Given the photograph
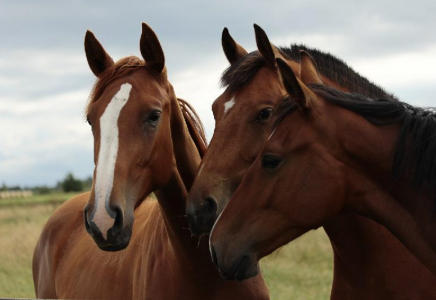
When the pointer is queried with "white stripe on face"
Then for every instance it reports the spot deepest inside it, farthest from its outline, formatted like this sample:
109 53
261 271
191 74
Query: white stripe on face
228 105
107 158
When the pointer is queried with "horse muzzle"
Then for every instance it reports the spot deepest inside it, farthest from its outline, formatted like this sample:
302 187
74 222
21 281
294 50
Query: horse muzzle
117 237
235 267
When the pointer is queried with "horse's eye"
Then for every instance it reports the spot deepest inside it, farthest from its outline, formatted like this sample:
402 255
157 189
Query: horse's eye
264 114
88 121
271 161
154 117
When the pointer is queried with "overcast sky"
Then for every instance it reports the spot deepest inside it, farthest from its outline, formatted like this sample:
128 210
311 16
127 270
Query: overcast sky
45 79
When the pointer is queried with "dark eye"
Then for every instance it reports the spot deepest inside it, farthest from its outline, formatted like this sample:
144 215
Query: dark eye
271 161
154 117
88 121
264 114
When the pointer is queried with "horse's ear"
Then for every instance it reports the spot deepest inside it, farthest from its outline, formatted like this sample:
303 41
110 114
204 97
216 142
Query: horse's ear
151 50
98 59
308 69
291 83
268 51
232 50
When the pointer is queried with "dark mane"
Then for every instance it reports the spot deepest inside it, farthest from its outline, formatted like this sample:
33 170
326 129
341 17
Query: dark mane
241 73
127 65
414 156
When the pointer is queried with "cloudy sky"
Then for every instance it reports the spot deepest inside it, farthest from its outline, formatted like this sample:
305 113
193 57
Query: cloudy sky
45 80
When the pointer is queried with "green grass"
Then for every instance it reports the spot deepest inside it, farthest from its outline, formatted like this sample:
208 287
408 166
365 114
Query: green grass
301 270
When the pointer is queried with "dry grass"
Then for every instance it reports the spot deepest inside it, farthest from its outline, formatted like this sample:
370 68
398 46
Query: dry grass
301 270
21 222
19 231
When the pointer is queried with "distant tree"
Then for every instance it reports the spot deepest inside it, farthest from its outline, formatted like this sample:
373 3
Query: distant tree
59 185
71 184
42 190
3 187
87 183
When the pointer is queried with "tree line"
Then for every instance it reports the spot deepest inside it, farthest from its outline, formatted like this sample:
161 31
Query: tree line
69 184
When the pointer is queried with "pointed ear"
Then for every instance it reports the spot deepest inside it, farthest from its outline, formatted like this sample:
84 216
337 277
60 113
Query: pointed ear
232 50
308 69
268 51
291 83
98 59
151 50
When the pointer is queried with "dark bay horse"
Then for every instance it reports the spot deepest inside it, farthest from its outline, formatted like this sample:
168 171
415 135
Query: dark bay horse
245 116
333 153
145 140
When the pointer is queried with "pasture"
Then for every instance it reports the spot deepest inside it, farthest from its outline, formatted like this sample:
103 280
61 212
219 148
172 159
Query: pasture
301 270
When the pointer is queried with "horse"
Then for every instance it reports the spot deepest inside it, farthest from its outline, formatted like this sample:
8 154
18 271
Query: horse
369 262
145 140
333 153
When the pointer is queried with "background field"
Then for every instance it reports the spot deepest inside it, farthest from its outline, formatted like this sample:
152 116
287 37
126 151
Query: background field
301 270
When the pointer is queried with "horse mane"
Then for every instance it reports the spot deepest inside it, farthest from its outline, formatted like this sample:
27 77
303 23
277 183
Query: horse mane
241 73
129 64
414 156
195 126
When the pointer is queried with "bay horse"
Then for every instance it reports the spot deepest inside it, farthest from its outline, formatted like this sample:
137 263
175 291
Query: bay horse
369 262
145 140
333 153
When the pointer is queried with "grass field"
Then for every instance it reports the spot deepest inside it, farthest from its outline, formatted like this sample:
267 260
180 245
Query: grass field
301 270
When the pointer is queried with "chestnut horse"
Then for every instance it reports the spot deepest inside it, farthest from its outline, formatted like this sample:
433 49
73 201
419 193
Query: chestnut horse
244 116
145 140
333 153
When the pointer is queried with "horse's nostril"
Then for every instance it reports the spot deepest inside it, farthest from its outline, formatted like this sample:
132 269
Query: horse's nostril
202 217
118 224
209 208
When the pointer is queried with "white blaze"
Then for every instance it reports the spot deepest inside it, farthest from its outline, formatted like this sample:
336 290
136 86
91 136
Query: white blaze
107 158
228 105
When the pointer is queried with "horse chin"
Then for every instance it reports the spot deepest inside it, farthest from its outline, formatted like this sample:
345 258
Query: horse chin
115 248
242 269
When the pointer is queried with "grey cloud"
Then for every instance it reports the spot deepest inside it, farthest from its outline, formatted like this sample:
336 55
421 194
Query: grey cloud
42 56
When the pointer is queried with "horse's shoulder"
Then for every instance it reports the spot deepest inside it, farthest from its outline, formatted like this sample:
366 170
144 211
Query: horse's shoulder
65 216
52 242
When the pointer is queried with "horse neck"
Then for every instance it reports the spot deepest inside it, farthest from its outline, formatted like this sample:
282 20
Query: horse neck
409 214
358 242
172 196
186 153
404 211
371 190
363 250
